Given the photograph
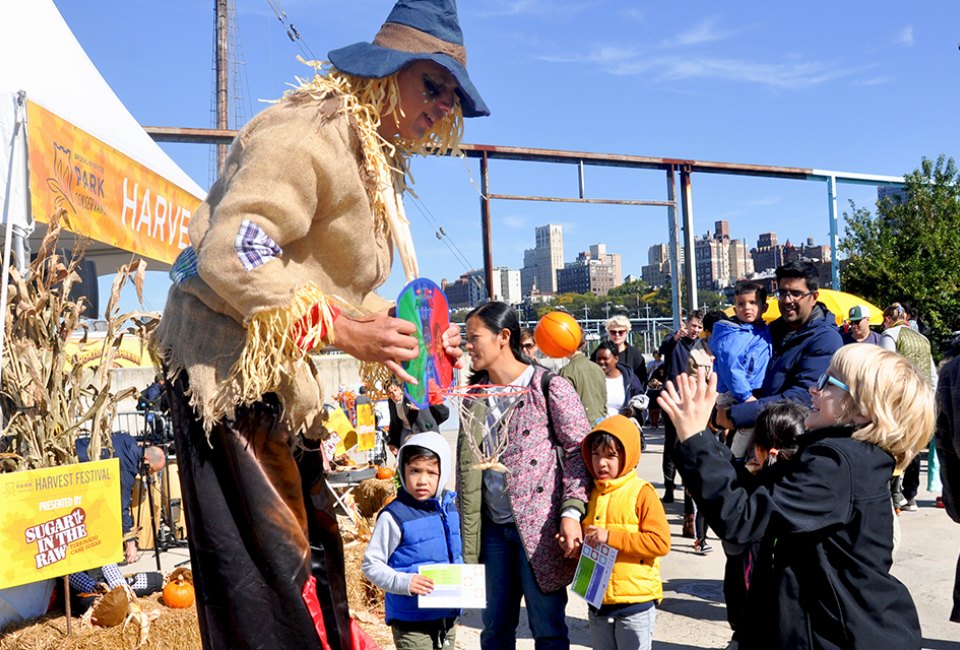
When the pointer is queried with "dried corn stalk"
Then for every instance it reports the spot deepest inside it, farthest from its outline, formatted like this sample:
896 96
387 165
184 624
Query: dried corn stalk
46 398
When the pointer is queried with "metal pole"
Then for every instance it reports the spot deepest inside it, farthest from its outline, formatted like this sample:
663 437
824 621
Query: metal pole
651 333
19 144
674 238
66 604
583 186
690 262
834 227
485 225
223 84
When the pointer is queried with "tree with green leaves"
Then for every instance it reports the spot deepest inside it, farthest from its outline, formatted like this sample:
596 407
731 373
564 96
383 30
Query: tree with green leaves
908 251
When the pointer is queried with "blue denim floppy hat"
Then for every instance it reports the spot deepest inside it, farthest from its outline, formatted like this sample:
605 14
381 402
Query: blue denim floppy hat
416 30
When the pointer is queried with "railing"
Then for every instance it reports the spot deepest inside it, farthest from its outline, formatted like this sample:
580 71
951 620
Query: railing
132 422
153 424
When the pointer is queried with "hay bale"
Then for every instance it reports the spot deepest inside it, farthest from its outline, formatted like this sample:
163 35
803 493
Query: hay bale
366 599
176 628
363 595
373 494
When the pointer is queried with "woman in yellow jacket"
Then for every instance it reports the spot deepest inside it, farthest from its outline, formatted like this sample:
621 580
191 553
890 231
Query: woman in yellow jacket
624 512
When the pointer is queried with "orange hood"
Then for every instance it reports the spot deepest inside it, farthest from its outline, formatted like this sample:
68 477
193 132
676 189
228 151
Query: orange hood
623 429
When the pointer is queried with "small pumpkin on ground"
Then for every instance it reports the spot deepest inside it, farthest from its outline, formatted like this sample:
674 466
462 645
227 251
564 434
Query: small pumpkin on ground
178 592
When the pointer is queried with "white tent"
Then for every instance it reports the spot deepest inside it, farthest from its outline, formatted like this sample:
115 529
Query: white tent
44 63
44 60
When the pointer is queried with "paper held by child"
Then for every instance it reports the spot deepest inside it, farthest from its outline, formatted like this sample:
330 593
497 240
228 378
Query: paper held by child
455 586
593 572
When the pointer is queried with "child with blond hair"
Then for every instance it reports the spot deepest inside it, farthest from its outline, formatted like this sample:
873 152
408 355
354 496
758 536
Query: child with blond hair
827 513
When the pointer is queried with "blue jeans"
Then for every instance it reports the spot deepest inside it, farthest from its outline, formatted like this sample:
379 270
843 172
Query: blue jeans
622 632
509 576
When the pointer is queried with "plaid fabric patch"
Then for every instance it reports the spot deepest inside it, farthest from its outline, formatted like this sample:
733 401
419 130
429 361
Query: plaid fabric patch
82 583
254 247
185 266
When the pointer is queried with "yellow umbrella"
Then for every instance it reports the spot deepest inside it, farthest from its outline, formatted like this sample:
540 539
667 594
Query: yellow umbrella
838 302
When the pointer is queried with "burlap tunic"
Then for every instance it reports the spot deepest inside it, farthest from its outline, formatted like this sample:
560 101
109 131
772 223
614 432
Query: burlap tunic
295 173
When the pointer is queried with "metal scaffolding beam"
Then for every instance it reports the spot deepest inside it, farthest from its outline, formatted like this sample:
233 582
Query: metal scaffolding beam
486 152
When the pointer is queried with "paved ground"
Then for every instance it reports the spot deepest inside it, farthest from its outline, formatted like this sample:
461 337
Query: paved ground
692 614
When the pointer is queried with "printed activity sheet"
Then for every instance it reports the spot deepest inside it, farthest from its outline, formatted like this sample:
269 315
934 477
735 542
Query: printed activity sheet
593 572
455 586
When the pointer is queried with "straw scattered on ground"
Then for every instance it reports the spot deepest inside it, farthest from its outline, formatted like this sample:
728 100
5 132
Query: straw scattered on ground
366 600
176 628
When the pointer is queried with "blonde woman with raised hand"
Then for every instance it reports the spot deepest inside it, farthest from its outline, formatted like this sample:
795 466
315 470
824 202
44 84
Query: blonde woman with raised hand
822 578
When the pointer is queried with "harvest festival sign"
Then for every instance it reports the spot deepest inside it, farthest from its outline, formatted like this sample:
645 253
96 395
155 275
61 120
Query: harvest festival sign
59 520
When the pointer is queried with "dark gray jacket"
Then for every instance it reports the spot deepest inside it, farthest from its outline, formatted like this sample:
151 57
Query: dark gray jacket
822 578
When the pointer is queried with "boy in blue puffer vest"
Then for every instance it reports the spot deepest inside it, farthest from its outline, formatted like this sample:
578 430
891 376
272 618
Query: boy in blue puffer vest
421 526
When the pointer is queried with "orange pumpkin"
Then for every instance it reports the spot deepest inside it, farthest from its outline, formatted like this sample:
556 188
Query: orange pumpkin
384 473
178 593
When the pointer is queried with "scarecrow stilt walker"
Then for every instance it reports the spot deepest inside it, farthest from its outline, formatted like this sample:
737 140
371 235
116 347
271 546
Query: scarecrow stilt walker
285 254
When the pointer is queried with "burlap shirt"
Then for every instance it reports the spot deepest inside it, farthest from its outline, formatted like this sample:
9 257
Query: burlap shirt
294 172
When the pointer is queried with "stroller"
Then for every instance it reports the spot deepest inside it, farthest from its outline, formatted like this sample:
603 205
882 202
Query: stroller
634 410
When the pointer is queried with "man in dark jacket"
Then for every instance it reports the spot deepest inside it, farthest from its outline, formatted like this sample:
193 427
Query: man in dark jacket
804 340
133 459
948 449
675 351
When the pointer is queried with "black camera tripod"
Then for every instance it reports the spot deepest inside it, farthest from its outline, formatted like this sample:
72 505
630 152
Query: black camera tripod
163 531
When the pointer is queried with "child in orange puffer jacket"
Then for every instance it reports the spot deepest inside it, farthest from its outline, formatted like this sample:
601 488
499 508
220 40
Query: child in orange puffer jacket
624 512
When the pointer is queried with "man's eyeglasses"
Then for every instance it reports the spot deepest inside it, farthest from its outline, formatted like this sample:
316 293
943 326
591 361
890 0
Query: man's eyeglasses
792 294
827 379
617 332
527 346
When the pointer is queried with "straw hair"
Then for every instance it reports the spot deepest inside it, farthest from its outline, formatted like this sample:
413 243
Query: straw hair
368 101
889 390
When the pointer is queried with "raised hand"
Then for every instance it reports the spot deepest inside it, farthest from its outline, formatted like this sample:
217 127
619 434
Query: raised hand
689 402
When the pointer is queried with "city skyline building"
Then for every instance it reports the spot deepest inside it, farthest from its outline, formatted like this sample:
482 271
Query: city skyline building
768 254
721 261
469 290
657 269
541 263
594 271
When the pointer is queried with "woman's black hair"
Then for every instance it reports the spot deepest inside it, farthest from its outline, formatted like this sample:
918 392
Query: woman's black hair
602 440
610 347
496 317
413 452
779 425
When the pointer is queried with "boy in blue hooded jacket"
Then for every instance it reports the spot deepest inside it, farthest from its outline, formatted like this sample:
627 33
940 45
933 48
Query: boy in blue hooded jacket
742 348
421 526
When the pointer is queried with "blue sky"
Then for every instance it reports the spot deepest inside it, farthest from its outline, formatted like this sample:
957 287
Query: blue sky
855 87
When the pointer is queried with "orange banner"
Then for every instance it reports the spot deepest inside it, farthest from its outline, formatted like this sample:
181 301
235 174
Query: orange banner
108 196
